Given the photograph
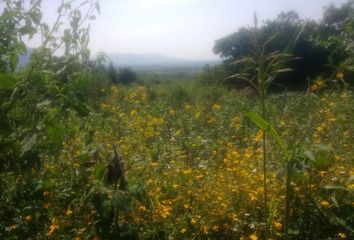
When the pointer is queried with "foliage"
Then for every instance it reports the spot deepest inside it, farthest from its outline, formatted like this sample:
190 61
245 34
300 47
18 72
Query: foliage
121 76
321 47
336 36
126 75
17 22
193 168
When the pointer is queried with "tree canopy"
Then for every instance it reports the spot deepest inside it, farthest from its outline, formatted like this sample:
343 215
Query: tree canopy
321 47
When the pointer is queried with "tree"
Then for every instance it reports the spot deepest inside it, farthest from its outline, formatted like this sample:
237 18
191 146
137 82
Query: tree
126 75
17 22
113 74
336 35
311 57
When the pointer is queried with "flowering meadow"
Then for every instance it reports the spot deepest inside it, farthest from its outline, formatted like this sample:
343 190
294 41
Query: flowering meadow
193 164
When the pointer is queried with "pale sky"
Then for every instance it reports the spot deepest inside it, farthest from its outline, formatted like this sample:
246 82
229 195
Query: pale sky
185 29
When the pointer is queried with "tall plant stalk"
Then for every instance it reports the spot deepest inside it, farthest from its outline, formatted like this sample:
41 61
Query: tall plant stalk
262 68
265 169
262 92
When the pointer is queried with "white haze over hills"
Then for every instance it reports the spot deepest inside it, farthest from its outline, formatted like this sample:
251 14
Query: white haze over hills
153 60
142 61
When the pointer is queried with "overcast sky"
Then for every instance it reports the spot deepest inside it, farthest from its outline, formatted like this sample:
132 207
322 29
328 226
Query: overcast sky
185 29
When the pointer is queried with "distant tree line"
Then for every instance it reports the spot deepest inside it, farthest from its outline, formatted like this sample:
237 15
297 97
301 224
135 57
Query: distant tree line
323 48
122 75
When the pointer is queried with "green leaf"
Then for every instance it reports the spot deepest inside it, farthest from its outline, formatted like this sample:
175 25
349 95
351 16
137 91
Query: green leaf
293 41
284 70
243 60
7 81
350 179
121 200
334 187
264 125
14 60
299 177
28 143
5 126
324 147
43 103
56 135
324 161
81 109
100 171
310 155
137 191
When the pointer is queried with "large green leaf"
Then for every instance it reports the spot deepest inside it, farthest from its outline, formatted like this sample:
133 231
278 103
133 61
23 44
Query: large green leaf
264 125
100 171
56 135
7 81
121 200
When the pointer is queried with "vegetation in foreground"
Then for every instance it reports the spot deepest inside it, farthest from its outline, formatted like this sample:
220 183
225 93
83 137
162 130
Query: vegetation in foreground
193 166
84 156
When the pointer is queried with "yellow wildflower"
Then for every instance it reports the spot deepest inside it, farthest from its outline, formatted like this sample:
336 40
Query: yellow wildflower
205 229
340 75
13 227
69 212
278 225
216 106
54 226
28 218
342 235
236 122
133 113
323 173
183 230
52 229
114 89
187 171
197 115
324 203
253 237
259 136
142 208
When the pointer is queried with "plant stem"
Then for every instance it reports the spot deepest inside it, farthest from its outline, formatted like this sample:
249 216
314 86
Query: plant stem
287 199
265 170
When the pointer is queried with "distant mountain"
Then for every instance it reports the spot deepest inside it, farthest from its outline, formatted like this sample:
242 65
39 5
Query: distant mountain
154 61
142 62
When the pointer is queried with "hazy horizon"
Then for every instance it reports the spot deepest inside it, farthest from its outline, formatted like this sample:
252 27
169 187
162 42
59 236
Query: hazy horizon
184 29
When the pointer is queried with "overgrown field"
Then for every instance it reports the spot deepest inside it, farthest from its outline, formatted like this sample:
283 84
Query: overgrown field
194 169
